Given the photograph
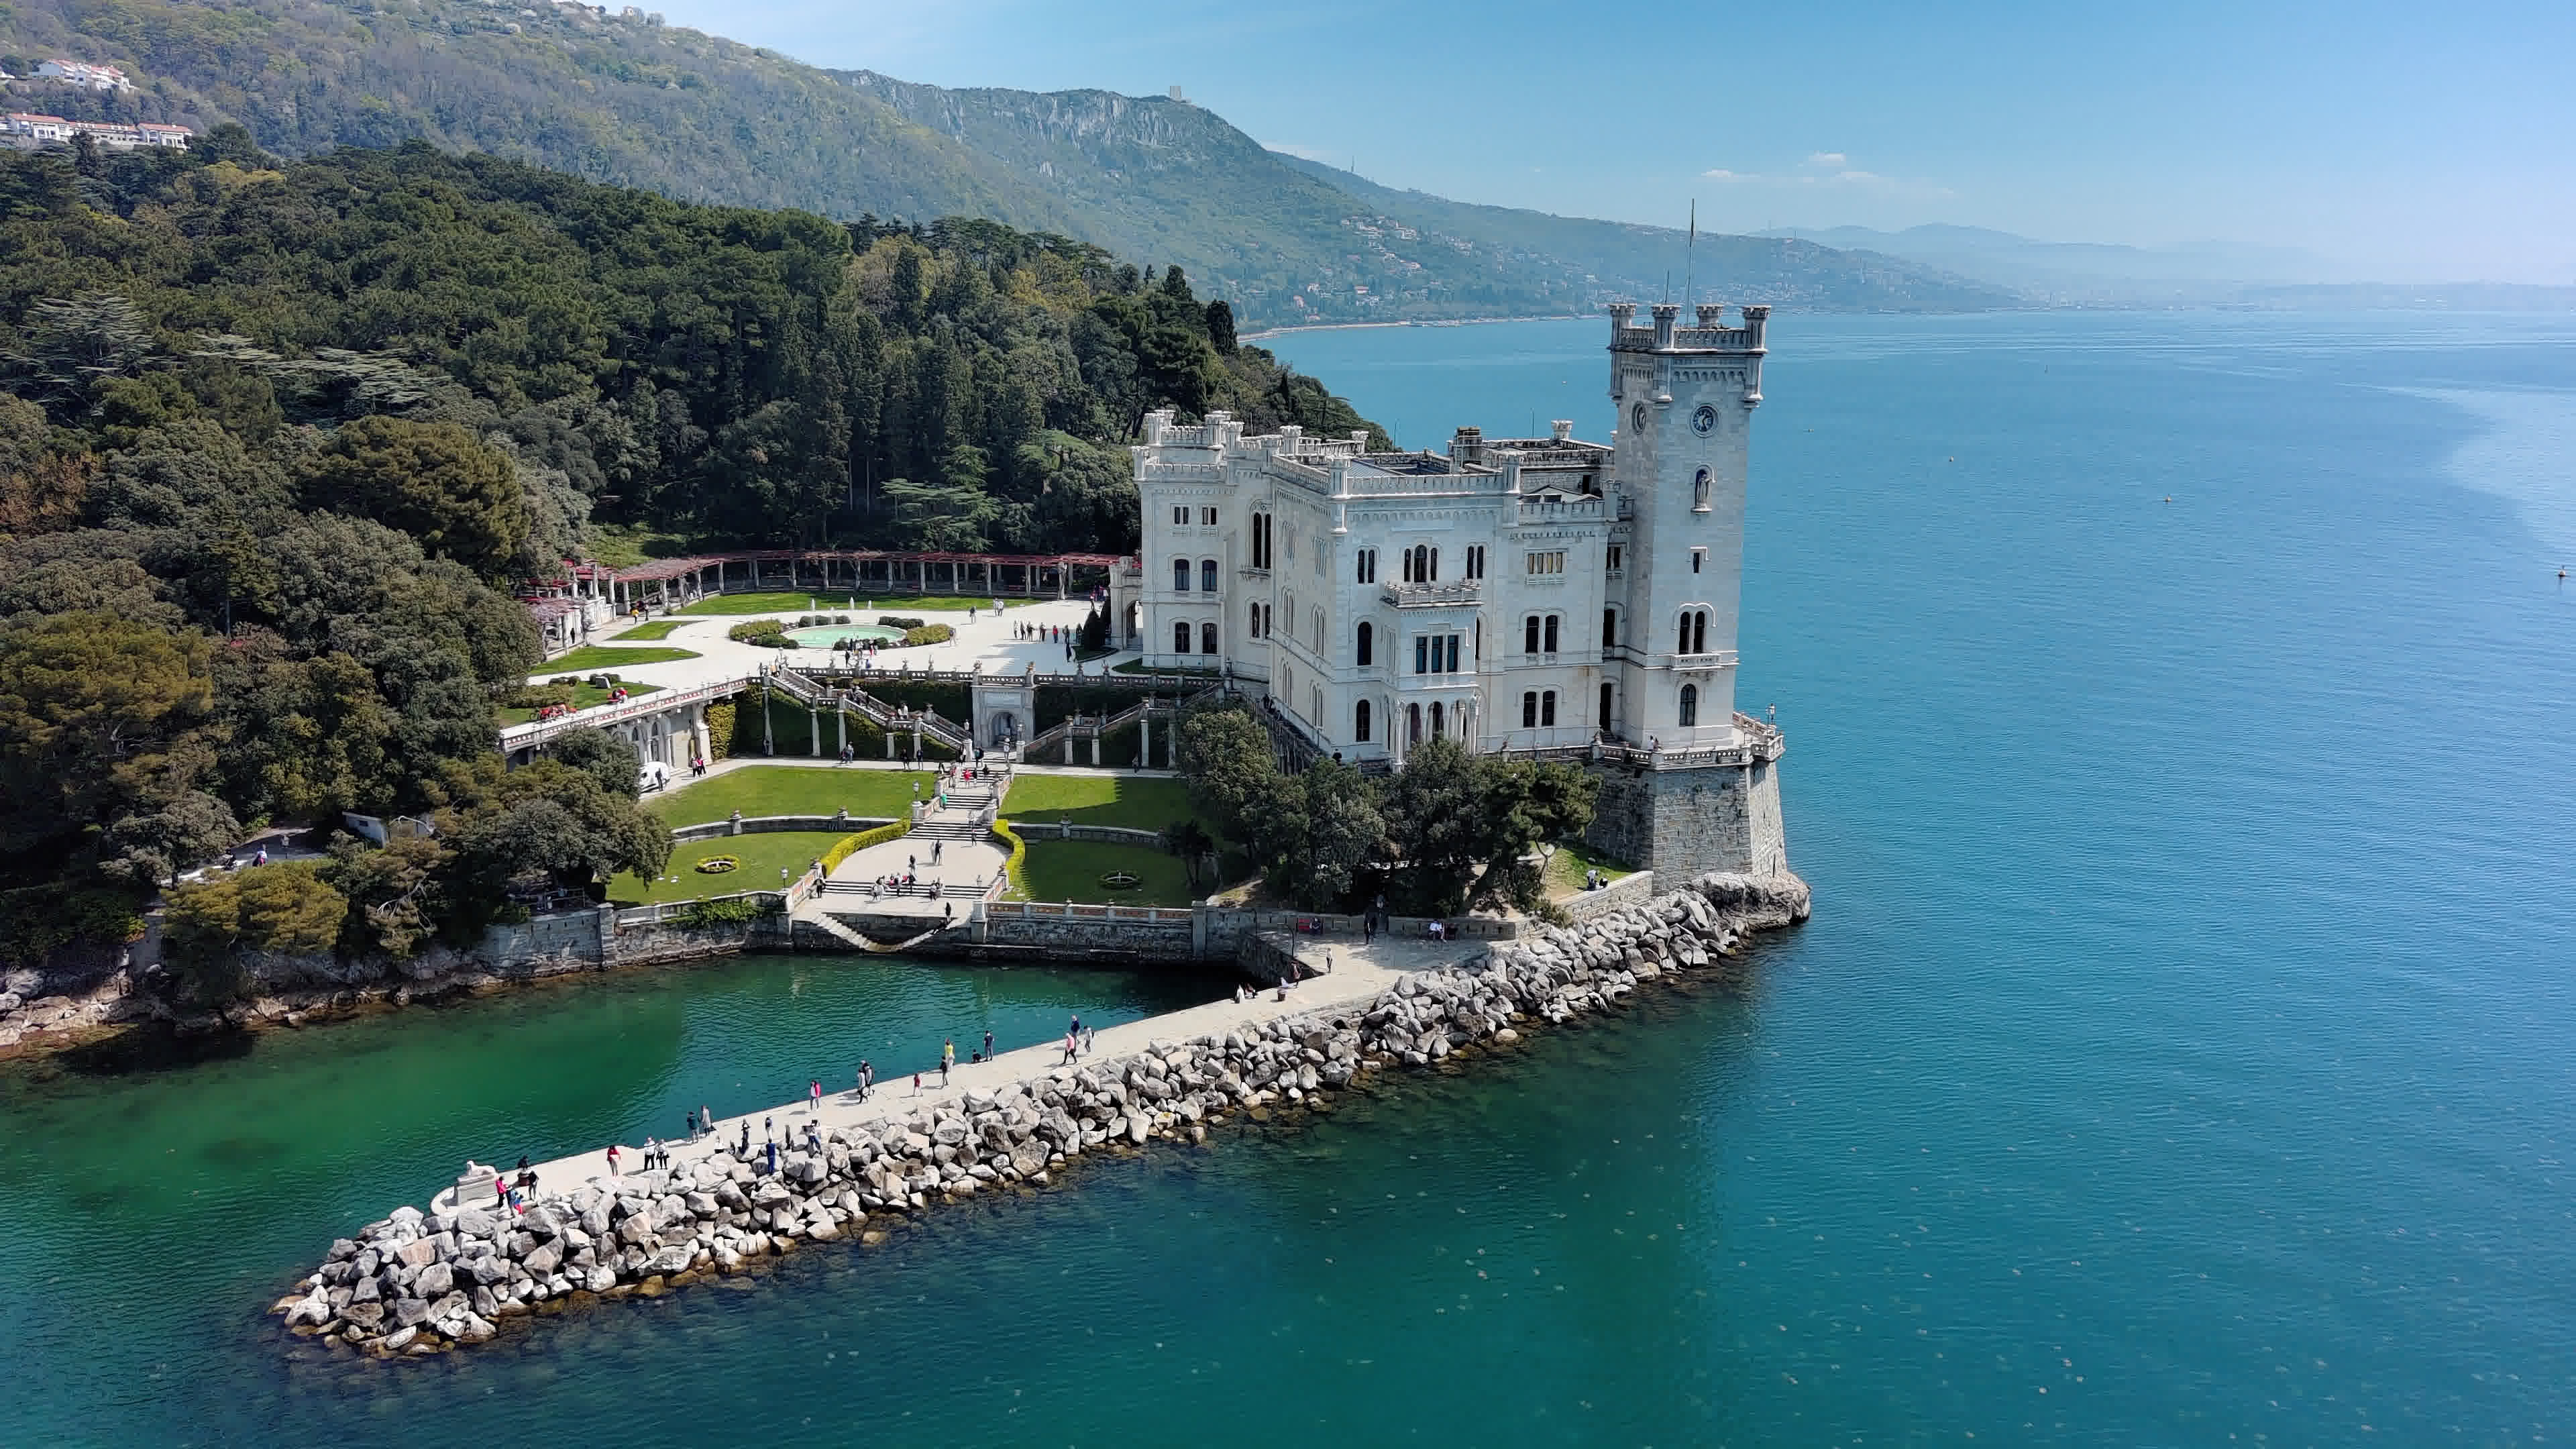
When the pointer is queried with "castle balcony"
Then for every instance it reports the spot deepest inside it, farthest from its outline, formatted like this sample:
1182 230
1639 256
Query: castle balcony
1712 659
1434 596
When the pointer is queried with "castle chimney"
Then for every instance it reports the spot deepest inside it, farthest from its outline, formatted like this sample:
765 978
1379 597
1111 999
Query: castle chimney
1665 313
1562 429
1712 314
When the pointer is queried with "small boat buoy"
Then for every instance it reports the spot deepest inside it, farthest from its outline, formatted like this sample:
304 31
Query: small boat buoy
2169 498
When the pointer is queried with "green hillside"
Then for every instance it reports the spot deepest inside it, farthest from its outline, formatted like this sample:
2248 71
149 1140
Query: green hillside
617 98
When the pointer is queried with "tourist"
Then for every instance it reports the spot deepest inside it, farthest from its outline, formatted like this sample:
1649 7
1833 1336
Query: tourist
947 1054
1089 1040
706 1118
1069 1040
743 1152
769 1130
814 1096
612 1159
648 1154
1328 960
912 862
916 1084
934 851
1368 928
773 1159
988 1046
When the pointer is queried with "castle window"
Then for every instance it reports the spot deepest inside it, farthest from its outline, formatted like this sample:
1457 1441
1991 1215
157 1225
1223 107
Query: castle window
1413 723
1252 626
1694 632
1529 709
1207 516
1609 628
1319 629
1180 638
1180 576
1181 514
1315 704
1550 562
1698 556
1360 722
1422 654
1529 634
1605 709
1438 720
1453 654
1366 637
1265 621
1547 710
1618 558
1261 540
1690 705
1475 560
1366 571
1207 574
1699 492
1207 638
1549 646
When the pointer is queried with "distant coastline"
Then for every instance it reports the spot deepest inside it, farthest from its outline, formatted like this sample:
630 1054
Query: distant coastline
1409 322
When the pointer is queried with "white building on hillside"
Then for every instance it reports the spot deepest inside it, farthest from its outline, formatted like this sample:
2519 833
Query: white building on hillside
1542 595
84 75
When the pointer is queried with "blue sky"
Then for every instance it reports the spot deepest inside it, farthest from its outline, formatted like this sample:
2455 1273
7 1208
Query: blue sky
2422 141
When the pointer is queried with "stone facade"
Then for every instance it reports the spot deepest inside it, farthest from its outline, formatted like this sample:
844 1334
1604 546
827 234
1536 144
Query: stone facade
1546 597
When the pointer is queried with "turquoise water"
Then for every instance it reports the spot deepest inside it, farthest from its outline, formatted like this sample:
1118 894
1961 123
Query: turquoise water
2179 1053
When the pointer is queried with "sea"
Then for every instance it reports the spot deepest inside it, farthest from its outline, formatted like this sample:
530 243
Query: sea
2182 754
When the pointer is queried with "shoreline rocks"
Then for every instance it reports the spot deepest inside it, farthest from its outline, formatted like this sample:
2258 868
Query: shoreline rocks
419 1283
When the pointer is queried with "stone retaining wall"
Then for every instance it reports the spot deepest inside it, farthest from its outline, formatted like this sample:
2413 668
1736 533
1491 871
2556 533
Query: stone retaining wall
1626 891
415 1283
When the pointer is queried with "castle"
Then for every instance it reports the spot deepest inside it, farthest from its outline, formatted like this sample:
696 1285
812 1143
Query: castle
1541 597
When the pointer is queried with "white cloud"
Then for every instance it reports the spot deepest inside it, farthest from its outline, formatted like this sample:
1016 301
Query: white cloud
1832 171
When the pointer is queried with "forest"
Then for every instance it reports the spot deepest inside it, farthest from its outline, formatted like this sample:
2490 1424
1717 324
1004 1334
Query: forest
279 440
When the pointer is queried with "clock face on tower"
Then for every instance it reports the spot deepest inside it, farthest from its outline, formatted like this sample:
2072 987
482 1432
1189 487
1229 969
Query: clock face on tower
1704 422
1637 418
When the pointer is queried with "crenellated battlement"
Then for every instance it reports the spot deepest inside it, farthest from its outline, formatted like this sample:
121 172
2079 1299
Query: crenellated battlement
1667 335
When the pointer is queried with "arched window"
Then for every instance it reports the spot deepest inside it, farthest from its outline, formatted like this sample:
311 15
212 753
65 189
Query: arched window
1367 641
1549 644
1690 705
1681 645
1413 723
1435 566
1180 576
1360 719
1315 704
1319 628
1180 638
1529 709
1438 728
1207 637
1252 630
1547 710
1207 575
1261 540
1529 634
1699 631
1699 492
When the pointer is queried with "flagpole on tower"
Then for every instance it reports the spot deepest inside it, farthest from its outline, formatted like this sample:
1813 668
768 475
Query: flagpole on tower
1690 255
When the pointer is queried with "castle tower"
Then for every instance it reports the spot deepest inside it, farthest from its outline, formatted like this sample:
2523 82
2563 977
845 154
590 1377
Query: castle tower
1698 792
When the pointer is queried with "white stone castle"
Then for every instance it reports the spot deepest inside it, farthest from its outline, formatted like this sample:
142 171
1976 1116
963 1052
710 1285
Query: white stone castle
1539 596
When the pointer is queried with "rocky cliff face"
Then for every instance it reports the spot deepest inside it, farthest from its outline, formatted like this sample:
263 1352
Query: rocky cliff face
416 1282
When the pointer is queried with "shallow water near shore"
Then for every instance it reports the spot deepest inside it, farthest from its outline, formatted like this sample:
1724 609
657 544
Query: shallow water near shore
2179 1050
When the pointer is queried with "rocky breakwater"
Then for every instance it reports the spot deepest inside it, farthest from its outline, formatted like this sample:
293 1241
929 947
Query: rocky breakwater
418 1282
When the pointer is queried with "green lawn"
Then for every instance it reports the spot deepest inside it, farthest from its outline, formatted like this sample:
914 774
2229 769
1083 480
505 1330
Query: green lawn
761 857
1565 868
625 545
658 629
790 790
583 697
1125 801
852 604
1070 870
596 657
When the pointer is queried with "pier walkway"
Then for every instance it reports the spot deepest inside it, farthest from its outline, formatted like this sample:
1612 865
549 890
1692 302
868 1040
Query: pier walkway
1359 973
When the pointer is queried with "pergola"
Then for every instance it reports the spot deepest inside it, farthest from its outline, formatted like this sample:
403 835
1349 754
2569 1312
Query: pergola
665 583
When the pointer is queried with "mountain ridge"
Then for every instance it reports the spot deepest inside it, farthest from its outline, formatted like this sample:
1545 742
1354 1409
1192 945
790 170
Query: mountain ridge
622 99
